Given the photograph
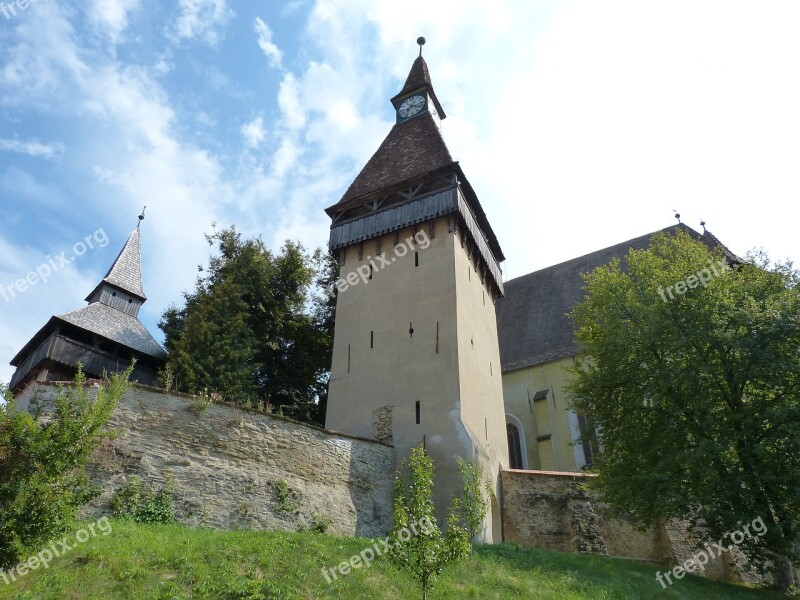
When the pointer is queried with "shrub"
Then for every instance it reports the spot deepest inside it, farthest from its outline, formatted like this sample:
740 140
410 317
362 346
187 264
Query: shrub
287 497
42 464
143 505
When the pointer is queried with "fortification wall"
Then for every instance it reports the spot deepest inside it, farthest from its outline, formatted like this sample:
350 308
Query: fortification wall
554 510
225 462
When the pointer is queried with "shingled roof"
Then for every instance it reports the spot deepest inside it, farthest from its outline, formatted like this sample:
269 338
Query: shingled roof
126 271
109 316
418 78
412 148
532 323
102 320
116 326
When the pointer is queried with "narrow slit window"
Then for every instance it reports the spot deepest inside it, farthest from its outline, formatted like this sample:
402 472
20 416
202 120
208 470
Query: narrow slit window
370 276
348 358
418 412
416 259
371 339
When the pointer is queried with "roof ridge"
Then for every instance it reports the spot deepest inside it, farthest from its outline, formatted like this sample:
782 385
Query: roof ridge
638 237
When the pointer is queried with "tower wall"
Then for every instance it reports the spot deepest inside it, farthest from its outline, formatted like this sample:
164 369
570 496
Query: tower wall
480 379
380 371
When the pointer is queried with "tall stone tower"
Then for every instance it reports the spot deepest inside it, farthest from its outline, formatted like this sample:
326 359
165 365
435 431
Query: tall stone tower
416 358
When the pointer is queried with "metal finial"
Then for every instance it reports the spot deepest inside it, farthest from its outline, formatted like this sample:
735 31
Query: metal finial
677 215
703 224
421 42
141 216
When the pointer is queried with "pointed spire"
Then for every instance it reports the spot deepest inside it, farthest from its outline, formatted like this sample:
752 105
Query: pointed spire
126 271
418 76
419 79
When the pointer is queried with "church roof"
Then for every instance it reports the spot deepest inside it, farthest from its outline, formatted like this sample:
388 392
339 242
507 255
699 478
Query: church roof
102 320
109 320
532 323
116 326
126 271
412 148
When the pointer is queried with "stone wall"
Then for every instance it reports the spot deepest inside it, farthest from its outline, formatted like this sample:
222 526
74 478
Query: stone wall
554 510
225 462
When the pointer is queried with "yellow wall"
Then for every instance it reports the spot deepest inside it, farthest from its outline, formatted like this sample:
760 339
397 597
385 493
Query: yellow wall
538 418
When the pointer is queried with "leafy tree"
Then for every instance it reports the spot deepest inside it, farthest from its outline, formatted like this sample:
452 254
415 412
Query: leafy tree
42 464
697 395
476 497
417 544
256 329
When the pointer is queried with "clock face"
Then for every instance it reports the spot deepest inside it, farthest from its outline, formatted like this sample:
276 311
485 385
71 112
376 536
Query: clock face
411 106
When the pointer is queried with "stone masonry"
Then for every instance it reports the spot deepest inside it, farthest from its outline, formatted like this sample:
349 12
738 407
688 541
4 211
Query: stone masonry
225 463
554 510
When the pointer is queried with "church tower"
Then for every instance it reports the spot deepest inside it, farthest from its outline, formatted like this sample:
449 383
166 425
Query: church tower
416 358
103 336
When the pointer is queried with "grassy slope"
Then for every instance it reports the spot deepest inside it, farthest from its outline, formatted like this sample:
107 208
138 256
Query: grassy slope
137 561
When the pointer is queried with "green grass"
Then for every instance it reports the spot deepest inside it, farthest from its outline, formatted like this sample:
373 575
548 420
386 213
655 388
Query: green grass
160 562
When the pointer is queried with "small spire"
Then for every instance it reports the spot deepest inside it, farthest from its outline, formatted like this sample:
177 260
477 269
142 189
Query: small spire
703 224
677 215
421 42
141 217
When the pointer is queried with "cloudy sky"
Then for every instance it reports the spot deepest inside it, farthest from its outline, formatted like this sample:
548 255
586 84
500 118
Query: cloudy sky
580 124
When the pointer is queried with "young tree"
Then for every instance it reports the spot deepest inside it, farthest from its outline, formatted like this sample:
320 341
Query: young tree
42 464
692 375
476 498
254 329
417 544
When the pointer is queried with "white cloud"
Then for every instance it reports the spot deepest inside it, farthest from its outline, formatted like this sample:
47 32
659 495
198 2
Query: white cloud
202 19
584 122
112 15
268 47
254 132
292 110
579 125
32 148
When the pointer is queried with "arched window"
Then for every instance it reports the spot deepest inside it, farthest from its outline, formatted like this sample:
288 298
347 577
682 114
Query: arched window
514 446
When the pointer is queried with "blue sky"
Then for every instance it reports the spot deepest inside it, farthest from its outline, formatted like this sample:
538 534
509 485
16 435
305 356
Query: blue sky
579 123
